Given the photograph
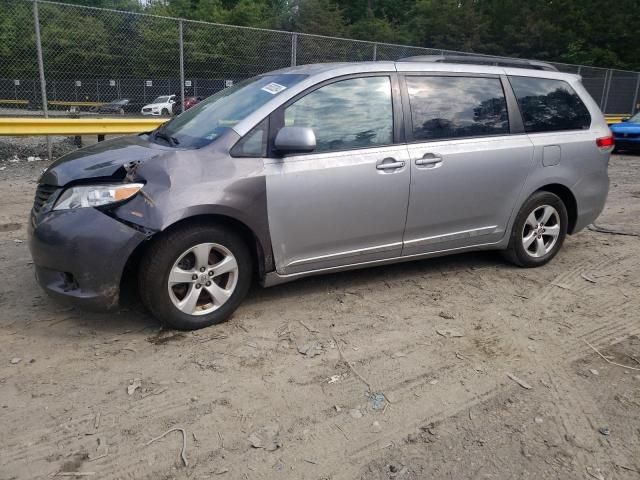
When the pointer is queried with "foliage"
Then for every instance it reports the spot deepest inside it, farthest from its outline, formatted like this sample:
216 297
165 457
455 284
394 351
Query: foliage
108 44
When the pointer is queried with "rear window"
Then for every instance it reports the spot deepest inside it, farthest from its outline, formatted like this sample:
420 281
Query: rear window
453 107
549 105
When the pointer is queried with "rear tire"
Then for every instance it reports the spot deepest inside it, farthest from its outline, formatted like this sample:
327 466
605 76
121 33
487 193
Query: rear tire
539 230
195 276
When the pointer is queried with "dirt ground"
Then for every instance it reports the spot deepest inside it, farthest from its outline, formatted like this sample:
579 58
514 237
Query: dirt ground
86 393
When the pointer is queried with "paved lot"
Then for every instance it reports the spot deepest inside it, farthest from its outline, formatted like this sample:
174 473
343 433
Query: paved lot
451 410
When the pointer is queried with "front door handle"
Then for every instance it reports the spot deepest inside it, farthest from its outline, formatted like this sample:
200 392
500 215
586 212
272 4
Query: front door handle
429 160
389 164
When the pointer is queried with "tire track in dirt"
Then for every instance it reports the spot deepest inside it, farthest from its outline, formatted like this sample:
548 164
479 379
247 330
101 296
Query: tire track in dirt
581 418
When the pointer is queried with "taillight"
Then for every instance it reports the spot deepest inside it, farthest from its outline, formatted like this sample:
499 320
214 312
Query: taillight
605 143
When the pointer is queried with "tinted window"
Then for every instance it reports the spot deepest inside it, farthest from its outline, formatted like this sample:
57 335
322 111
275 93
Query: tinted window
349 114
450 107
549 105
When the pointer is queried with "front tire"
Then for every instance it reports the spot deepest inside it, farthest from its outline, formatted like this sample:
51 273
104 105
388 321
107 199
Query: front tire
196 276
538 231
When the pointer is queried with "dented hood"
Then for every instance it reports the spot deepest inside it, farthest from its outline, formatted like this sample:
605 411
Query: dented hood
102 160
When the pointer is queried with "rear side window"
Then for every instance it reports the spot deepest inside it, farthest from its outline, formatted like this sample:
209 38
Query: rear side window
348 114
452 107
549 105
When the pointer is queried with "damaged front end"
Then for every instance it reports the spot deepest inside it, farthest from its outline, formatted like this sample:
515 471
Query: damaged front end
78 244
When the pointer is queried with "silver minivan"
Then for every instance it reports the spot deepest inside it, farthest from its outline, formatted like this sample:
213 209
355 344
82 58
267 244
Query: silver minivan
320 168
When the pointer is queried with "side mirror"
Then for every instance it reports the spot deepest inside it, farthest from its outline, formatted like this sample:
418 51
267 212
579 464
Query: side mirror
295 140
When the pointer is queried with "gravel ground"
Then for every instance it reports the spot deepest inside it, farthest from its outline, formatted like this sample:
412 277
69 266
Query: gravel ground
518 394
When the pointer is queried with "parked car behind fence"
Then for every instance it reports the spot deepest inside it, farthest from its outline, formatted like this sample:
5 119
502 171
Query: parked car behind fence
188 103
115 107
162 105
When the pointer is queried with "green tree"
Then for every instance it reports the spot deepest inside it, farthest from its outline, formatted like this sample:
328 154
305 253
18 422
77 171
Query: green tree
447 24
322 17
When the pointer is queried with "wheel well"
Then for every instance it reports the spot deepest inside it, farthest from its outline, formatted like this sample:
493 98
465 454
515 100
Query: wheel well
129 280
569 201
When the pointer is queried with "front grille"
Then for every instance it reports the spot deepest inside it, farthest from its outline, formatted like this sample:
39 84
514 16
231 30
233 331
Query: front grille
146 109
43 193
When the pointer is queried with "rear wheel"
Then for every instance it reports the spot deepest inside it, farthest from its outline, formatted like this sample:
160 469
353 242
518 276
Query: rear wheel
538 231
195 277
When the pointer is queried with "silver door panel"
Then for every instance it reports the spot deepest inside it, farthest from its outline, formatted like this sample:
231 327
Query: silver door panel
463 192
336 208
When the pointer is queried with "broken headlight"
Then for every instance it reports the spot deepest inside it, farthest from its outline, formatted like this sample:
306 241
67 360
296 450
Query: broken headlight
96 195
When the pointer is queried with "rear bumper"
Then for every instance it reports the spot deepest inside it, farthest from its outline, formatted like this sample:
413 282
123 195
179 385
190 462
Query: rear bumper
79 255
591 196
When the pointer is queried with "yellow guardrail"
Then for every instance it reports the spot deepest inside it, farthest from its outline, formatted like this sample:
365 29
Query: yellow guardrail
12 102
103 126
76 126
615 118
74 104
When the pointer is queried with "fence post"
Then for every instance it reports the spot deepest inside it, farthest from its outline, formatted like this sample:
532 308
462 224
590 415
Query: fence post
181 66
635 97
43 84
294 49
604 89
606 96
375 52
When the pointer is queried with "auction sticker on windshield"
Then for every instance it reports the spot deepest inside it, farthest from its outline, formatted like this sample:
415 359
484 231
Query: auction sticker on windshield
273 88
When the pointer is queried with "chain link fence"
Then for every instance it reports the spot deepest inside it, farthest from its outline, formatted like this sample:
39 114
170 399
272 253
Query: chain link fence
93 56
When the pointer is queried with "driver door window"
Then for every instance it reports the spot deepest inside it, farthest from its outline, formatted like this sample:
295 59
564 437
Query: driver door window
346 115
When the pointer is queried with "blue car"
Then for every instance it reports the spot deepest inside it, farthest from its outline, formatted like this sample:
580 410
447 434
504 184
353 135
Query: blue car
627 133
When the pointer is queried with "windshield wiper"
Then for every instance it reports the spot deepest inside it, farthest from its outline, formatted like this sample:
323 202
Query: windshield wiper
172 141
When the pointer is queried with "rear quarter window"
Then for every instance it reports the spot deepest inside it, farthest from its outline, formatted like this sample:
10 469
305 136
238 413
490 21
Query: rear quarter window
549 105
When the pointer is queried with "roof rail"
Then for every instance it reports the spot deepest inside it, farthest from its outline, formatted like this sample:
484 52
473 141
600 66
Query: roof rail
482 60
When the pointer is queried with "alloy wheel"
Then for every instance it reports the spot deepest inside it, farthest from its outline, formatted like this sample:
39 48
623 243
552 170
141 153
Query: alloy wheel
203 278
541 231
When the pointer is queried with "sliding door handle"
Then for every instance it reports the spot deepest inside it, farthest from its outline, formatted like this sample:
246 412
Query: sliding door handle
389 164
429 160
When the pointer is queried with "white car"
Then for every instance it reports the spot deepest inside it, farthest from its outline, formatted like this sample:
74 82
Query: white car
162 105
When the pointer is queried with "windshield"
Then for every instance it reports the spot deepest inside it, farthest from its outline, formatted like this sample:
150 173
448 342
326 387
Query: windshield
164 99
207 120
635 118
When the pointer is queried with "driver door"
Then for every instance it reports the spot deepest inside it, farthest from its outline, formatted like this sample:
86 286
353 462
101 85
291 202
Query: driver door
346 202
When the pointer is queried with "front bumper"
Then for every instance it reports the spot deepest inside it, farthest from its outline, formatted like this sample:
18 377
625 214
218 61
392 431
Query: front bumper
79 255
